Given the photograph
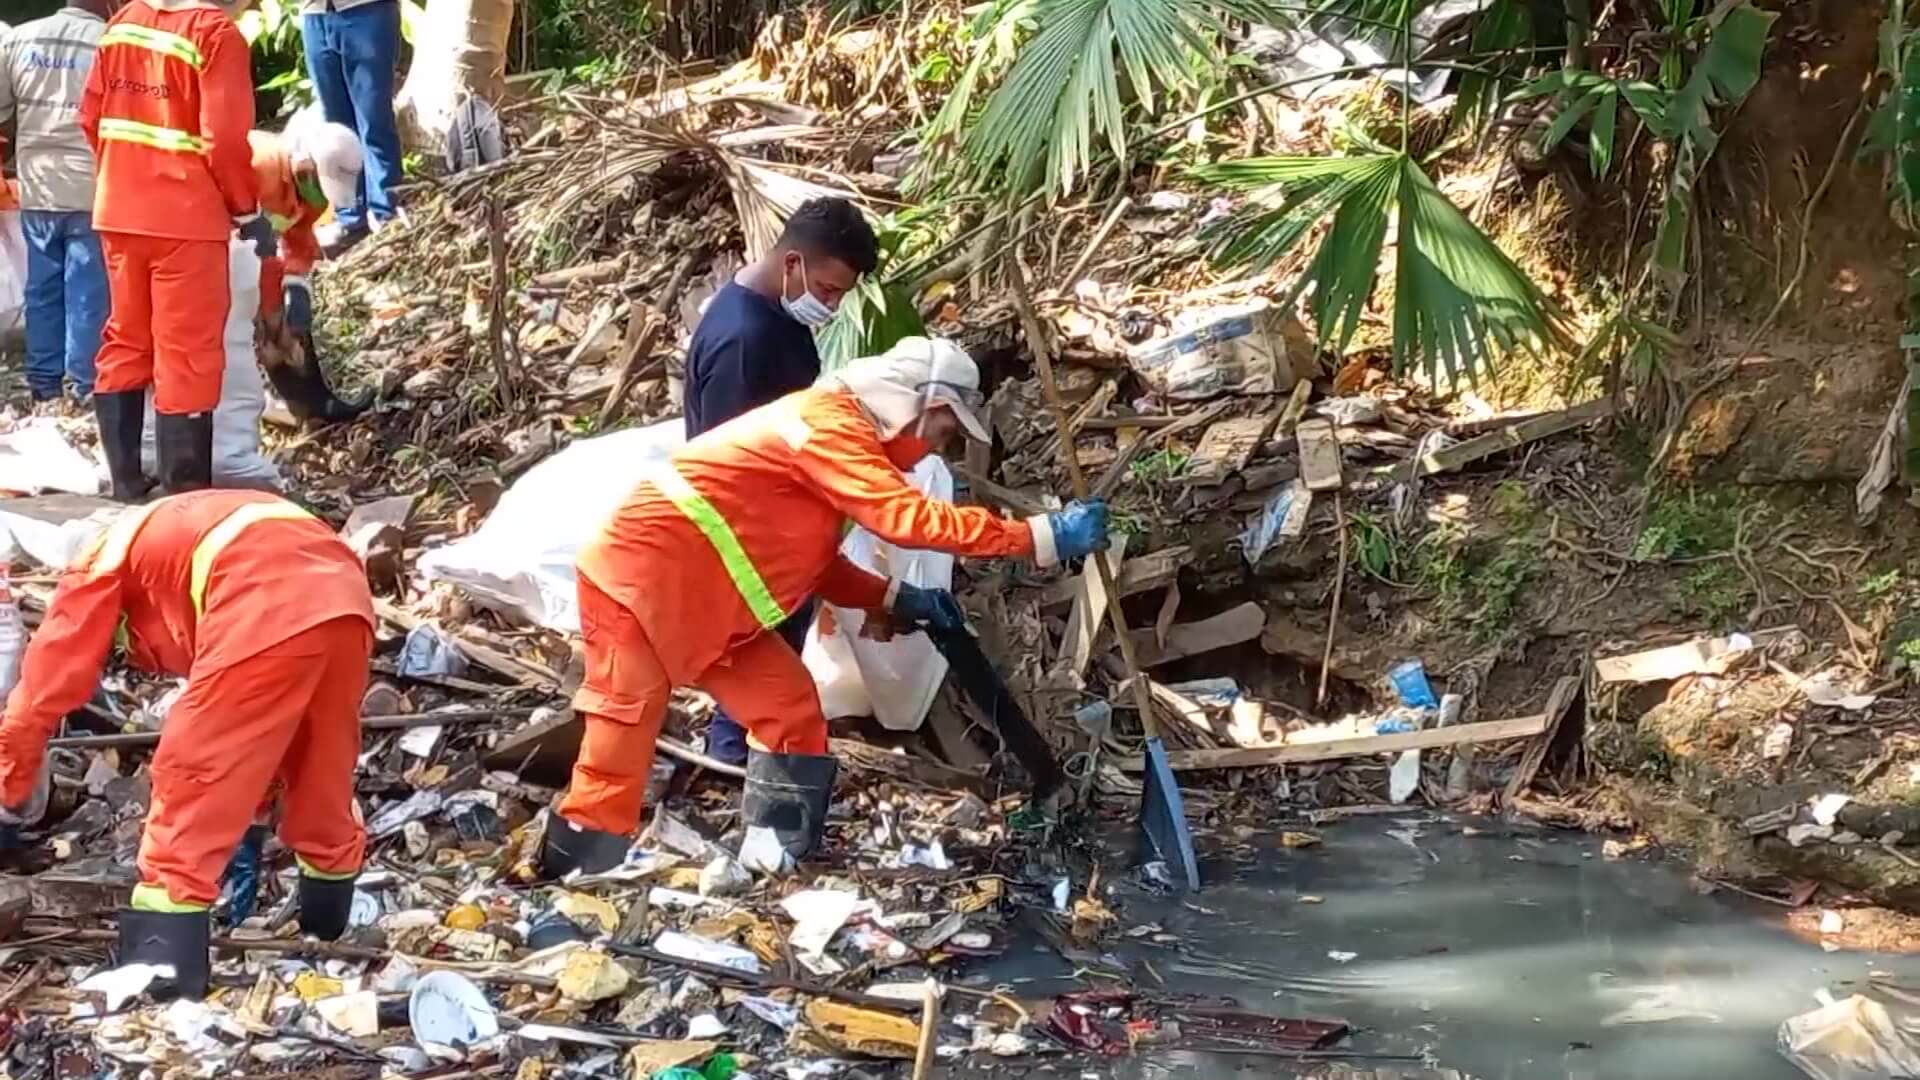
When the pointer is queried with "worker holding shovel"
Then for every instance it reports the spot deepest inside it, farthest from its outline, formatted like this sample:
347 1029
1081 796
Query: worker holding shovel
686 583
267 614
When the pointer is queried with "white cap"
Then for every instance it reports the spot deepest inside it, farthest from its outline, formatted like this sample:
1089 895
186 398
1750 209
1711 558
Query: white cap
900 385
336 155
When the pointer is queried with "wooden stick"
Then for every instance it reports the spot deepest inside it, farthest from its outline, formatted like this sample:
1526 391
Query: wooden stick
1339 585
497 303
1120 207
642 343
1523 727
1043 359
929 1031
367 723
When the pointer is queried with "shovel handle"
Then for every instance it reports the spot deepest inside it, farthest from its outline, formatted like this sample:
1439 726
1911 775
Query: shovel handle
1043 359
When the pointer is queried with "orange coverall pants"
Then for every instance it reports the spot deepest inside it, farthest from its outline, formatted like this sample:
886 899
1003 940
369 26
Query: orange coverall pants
169 320
290 714
623 700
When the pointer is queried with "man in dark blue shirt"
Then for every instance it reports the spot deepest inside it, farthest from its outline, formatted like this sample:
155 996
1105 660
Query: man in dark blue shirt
754 345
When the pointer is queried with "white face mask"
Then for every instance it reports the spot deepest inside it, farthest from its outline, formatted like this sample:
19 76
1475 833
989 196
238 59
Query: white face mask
806 309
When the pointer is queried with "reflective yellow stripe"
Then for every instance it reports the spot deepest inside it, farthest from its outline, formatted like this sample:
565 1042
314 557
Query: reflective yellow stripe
307 869
159 138
148 897
222 534
160 41
110 548
746 577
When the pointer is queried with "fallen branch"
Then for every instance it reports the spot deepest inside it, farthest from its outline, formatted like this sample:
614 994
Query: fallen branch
722 973
367 723
1334 749
640 345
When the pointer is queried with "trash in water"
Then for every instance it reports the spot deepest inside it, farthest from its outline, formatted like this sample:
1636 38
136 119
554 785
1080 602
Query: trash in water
1113 1022
1863 1037
1339 957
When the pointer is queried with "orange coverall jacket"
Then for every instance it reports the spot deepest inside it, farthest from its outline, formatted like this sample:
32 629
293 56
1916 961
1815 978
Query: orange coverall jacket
271 580
293 218
785 478
167 110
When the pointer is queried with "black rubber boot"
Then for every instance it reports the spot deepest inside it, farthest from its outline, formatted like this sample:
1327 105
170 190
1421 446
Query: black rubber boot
567 847
186 451
789 794
122 416
168 937
325 905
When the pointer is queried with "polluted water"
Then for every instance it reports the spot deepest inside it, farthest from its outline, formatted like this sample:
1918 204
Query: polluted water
1462 948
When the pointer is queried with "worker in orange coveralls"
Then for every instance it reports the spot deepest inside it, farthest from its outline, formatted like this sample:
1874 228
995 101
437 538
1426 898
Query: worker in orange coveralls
300 173
685 583
167 109
267 614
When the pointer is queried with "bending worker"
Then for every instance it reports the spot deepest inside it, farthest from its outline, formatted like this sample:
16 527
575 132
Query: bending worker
687 581
166 111
266 613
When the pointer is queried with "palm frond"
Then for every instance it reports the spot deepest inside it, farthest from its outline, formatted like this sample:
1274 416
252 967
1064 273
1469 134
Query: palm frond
873 317
1064 96
1458 299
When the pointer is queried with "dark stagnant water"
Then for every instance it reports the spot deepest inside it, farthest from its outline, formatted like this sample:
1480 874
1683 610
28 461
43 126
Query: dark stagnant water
1517 954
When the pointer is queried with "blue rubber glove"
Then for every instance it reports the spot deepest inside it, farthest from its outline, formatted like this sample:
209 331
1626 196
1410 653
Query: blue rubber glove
297 302
1080 529
259 231
928 607
242 876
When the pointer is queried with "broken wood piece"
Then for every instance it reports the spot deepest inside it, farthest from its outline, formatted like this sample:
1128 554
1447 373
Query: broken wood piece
1142 573
1189 712
367 723
1103 488
1169 608
1231 627
1529 430
593 273
1566 690
1319 455
1012 499
639 342
1226 448
849 1029
1701 656
1090 608
1296 408
1336 749
521 671
1120 207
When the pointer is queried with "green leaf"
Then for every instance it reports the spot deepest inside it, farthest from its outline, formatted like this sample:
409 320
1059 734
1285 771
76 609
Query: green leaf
871 319
1570 115
1606 112
1063 100
1458 299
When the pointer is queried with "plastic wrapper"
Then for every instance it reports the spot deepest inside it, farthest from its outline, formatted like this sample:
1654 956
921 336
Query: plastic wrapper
1871 1036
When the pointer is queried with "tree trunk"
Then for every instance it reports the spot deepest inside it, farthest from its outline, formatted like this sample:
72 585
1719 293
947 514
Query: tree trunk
460 48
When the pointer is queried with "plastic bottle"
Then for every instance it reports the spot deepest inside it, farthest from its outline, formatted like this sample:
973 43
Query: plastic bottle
13 636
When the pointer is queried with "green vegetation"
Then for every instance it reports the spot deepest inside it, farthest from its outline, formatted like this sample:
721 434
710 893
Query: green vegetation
1716 592
1687 524
1880 585
1159 468
1480 580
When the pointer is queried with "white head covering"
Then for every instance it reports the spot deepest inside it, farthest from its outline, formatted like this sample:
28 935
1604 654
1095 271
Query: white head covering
336 155
901 384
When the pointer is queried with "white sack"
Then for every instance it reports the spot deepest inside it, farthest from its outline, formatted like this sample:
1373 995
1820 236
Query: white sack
13 277
521 558
892 681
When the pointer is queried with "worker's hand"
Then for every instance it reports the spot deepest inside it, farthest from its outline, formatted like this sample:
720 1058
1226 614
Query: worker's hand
297 301
935 608
1079 529
258 230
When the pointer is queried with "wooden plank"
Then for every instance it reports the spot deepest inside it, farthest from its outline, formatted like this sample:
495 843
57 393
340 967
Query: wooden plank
1232 627
1142 573
1701 656
1320 455
1559 701
1520 434
1296 408
1103 488
1090 609
1226 448
1011 498
1185 709
1336 749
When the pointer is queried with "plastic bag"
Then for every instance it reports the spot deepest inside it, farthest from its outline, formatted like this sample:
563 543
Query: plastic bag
1872 1036
892 681
521 558
13 276
237 461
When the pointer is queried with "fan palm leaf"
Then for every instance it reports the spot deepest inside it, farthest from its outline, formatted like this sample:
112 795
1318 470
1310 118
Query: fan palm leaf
1458 300
1064 97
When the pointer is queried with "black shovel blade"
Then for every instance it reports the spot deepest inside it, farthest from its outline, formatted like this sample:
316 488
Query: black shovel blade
1163 819
977 679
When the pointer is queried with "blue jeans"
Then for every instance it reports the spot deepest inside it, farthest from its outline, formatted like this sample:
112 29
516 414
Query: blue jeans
351 56
726 739
66 299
